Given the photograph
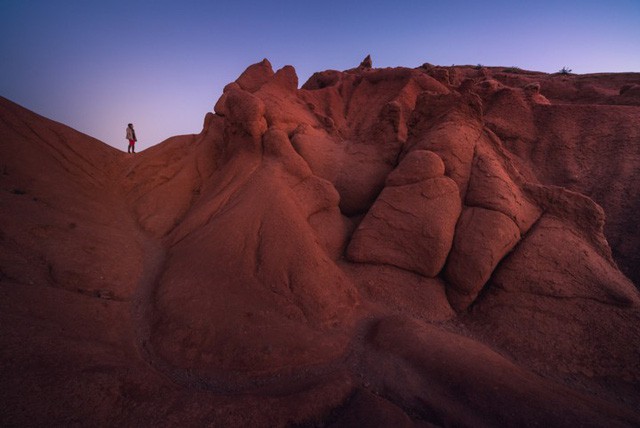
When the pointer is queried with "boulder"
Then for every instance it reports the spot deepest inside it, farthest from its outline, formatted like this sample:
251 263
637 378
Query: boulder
255 76
492 187
570 268
483 237
410 226
418 165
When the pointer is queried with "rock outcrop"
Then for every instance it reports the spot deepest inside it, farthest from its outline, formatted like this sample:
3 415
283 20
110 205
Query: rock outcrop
384 247
412 222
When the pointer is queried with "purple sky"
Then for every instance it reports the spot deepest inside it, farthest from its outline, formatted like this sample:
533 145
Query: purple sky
97 65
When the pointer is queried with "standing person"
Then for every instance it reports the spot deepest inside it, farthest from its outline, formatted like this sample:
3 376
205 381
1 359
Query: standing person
131 136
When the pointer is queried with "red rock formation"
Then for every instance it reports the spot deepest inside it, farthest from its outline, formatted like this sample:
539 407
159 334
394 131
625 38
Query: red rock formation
383 247
411 224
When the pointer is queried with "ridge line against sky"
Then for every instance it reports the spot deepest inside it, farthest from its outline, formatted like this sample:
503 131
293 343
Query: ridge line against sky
97 65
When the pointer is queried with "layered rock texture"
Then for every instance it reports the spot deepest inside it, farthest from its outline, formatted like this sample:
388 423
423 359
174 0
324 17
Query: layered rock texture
438 246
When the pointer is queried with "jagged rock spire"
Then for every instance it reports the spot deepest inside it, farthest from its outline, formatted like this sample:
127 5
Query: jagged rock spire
366 63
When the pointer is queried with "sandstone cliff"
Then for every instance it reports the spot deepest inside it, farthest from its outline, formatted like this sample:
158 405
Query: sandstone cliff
382 247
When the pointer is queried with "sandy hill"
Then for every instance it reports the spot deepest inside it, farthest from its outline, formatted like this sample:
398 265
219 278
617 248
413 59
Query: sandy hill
383 247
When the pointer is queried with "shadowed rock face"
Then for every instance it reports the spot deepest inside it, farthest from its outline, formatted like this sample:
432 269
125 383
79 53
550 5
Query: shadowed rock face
383 247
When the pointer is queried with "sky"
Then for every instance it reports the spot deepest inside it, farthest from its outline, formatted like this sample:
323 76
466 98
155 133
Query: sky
162 65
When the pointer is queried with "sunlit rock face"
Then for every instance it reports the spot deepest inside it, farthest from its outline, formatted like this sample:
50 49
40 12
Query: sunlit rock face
382 247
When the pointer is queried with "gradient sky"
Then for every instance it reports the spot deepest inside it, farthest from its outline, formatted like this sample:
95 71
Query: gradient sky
98 65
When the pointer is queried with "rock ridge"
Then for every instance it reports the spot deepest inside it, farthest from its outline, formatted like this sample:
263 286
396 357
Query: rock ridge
331 254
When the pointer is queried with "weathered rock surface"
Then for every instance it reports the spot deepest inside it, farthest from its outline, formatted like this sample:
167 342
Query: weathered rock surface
382 247
483 237
412 205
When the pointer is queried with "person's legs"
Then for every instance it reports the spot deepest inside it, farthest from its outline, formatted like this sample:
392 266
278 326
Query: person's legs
131 148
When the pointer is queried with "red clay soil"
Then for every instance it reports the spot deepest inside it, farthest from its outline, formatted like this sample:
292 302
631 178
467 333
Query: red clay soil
435 246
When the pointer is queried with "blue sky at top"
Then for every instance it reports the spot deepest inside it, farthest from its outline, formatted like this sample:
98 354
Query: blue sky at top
97 65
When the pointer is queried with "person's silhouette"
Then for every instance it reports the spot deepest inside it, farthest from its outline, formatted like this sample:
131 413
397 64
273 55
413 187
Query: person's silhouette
131 136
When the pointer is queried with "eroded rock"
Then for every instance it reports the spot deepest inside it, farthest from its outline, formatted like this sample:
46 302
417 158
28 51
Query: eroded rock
411 225
483 237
